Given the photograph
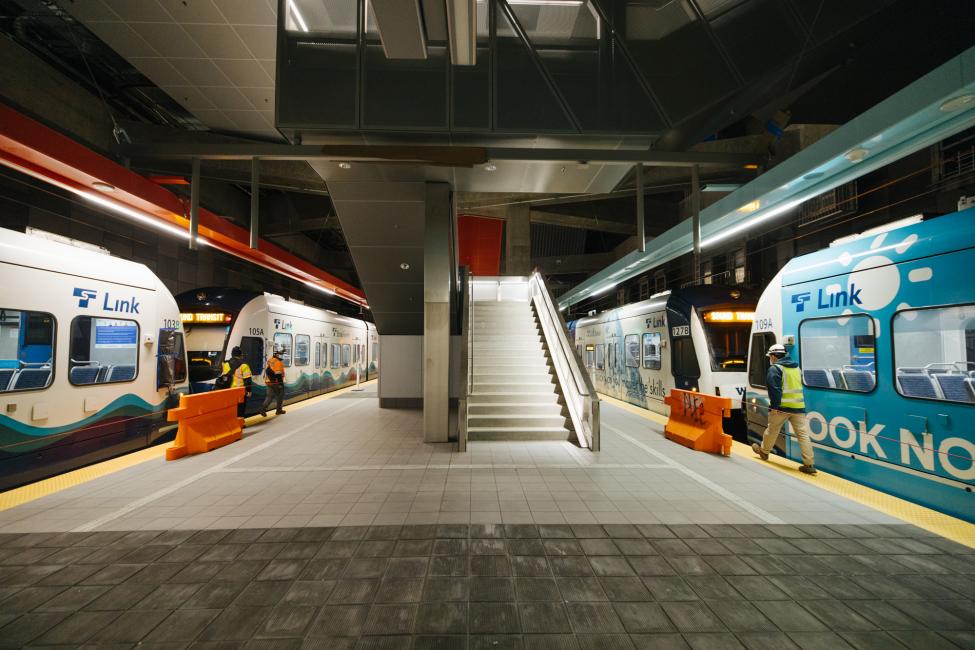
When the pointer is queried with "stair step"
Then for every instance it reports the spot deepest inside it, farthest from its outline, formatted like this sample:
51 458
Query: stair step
519 376
507 397
513 385
551 408
519 433
515 420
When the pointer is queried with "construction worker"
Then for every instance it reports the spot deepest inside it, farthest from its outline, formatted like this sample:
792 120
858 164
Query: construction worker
274 380
786 403
240 374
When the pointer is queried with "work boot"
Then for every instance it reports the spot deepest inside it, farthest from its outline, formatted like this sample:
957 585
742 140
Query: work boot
281 412
263 414
808 469
757 448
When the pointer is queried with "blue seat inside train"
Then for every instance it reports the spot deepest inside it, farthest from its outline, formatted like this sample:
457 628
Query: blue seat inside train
953 387
914 384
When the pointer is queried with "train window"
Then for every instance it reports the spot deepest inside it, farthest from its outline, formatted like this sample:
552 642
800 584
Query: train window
282 342
600 356
336 355
758 361
375 352
631 350
302 349
684 359
728 340
839 353
252 348
26 350
103 351
170 360
651 350
318 354
934 353
590 355
610 356
346 355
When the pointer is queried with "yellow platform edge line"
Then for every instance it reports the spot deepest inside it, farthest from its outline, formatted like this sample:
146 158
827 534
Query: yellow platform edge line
941 524
45 487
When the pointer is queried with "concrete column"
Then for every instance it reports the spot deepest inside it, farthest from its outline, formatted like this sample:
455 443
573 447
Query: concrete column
438 255
517 241
696 221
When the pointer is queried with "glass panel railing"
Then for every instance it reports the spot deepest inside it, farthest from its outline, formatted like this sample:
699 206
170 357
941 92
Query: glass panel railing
577 389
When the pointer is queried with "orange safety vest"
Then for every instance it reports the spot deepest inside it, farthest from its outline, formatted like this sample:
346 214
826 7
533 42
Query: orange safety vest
276 366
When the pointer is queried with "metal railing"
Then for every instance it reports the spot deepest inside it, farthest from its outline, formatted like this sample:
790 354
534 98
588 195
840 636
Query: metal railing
577 389
466 361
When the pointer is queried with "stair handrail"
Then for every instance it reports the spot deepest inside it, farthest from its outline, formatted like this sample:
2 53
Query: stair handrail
580 396
467 363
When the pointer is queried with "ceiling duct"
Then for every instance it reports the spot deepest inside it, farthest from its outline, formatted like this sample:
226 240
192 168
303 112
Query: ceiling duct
462 31
400 28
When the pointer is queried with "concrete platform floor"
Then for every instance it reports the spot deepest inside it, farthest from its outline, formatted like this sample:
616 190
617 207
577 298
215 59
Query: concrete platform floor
336 527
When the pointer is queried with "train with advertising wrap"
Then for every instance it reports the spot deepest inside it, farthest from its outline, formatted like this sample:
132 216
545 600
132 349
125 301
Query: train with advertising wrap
694 338
91 356
883 326
321 350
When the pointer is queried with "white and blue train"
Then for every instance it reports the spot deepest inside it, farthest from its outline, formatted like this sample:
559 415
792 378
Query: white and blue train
883 327
91 356
322 351
694 338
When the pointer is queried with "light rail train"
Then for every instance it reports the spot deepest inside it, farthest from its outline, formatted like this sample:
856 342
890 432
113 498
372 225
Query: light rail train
883 327
693 338
323 351
91 357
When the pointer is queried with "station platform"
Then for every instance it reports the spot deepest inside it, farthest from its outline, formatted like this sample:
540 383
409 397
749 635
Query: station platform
335 526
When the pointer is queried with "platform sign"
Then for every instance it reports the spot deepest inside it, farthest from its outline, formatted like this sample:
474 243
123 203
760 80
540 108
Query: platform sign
115 333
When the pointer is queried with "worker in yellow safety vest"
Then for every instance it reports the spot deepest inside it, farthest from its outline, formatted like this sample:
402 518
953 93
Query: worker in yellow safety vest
274 381
786 404
240 373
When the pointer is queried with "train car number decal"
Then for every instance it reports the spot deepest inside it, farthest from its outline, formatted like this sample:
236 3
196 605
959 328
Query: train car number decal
680 330
171 324
256 331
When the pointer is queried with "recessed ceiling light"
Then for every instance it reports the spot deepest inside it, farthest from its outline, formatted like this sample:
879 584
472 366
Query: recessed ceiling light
751 206
856 155
107 188
958 103
404 265
490 167
812 176
345 165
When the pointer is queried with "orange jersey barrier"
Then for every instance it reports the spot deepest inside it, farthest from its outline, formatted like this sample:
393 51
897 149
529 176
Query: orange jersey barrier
696 421
206 421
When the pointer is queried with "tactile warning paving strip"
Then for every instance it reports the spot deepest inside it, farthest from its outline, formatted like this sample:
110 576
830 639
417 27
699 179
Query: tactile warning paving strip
43 488
931 520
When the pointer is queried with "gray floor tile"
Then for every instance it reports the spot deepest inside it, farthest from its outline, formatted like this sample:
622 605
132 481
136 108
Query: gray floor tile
643 618
544 618
610 566
120 597
756 588
496 642
667 588
561 547
594 618
693 617
442 618
446 589
531 565
713 641
214 595
819 641
532 589
624 589
400 590
407 567
182 626
494 618
308 592
130 627
28 627
604 642
235 623
350 591
651 566
339 621
525 547
790 617
659 642
741 616
77 628
599 547
581 589
712 587
923 639
390 619
262 594
287 621
492 589
766 641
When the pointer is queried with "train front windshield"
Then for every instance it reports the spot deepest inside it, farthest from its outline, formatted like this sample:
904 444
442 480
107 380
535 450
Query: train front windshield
206 348
727 334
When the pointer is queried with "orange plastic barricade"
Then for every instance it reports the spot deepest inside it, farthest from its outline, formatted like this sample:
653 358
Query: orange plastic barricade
206 421
696 421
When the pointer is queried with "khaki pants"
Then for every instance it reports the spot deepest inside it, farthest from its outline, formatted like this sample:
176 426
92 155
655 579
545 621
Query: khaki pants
798 421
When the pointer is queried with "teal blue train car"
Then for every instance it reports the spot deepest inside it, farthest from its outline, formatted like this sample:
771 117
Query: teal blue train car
883 327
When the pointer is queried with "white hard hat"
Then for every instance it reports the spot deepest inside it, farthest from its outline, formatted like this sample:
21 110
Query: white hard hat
778 350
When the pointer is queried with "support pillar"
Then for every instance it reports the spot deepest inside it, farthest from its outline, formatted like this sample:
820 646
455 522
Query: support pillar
696 221
255 201
194 203
641 233
438 255
517 241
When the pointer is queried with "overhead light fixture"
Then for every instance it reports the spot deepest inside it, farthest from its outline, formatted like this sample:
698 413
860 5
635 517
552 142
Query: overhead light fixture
547 3
345 165
734 230
462 31
105 188
297 15
721 187
141 217
490 167
751 206
404 265
314 285
958 103
856 155
750 166
811 176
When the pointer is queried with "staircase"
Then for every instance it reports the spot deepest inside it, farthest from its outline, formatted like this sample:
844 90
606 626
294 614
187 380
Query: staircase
513 394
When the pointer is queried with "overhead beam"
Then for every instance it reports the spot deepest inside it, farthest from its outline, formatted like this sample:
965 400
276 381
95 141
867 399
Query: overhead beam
585 223
400 25
462 31
460 156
